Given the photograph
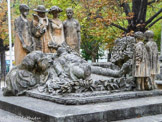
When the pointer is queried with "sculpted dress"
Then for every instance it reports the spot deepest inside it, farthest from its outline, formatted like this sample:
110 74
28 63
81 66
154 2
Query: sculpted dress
57 32
22 32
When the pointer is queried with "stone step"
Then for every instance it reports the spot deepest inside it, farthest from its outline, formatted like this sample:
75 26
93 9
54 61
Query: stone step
9 117
155 118
45 111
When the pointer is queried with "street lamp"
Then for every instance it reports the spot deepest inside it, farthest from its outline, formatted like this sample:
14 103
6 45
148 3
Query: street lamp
9 30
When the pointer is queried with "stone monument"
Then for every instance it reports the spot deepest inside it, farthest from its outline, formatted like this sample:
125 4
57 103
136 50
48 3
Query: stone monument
72 31
54 70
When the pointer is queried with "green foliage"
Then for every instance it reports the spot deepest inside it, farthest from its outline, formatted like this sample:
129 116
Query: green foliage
157 27
95 34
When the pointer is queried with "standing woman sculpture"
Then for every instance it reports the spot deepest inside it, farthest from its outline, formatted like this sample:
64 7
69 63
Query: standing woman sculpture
56 28
23 40
72 31
40 29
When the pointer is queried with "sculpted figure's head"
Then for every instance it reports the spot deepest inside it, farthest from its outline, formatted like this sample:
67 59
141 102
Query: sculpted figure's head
41 10
24 9
55 10
69 13
149 34
44 63
139 35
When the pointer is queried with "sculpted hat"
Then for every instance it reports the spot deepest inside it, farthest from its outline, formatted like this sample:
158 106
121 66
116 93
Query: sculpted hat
41 8
23 7
55 8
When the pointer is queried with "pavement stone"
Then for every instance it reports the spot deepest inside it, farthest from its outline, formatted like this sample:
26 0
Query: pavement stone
154 118
9 117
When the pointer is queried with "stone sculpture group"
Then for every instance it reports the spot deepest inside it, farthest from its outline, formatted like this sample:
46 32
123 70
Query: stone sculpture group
47 58
45 34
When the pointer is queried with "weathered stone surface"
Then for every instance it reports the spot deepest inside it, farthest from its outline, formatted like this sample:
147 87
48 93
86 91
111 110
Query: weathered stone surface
153 118
63 72
56 29
91 97
40 29
72 31
23 41
152 50
101 112
9 117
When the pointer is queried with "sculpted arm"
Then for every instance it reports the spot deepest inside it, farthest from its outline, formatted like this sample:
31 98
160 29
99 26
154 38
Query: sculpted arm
138 55
78 32
18 29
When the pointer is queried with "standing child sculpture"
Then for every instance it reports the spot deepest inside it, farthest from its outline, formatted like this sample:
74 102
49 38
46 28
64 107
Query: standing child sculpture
23 40
72 31
152 50
142 70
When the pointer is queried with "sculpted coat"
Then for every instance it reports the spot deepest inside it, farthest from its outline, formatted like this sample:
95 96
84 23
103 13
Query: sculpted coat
40 31
153 56
22 32
141 61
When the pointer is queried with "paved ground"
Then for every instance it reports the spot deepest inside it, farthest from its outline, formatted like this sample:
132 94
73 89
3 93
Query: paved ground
9 117
155 118
84 112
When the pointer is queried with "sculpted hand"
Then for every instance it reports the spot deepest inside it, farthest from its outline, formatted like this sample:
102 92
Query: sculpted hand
42 31
24 46
28 49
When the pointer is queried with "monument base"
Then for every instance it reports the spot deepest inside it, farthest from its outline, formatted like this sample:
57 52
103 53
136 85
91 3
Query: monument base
45 111
92 97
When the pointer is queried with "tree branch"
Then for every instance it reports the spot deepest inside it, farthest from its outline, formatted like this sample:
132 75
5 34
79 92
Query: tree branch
153 1
149 20
154 22
118 26
126 10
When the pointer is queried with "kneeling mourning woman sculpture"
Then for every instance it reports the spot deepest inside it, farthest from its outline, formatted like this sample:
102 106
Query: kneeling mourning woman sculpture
23 77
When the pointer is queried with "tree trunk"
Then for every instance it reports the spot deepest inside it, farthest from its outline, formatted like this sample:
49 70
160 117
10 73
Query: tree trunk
139 9
3 65
2 59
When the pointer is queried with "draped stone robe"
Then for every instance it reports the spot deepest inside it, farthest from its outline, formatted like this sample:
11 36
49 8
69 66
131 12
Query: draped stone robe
141 61
152 50
41 39
22 32
57 32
